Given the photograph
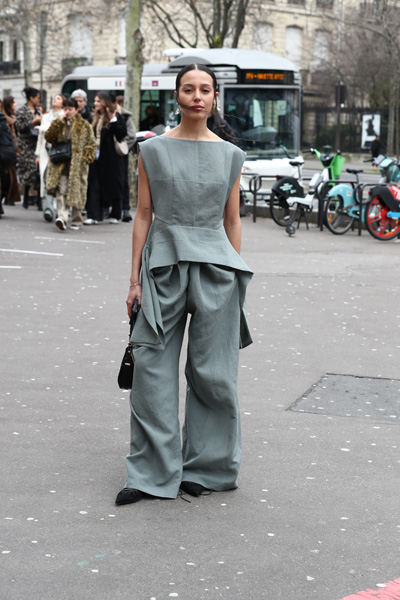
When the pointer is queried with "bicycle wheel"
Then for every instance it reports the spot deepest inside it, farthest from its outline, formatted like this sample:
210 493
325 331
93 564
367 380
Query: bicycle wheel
336 217
379 225
323 195
281 212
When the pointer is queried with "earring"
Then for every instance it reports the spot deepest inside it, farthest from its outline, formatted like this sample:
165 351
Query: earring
217 104
178 110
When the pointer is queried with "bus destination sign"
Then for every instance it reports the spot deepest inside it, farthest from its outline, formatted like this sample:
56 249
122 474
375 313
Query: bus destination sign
267 77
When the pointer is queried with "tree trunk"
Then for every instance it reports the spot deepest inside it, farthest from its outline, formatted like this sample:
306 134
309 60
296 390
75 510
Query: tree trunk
240 21
134 66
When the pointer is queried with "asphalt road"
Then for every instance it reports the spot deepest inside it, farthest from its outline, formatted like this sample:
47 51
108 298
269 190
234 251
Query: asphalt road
316 515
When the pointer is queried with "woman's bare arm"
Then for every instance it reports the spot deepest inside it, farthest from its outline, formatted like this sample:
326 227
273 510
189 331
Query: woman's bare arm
141 226
232 224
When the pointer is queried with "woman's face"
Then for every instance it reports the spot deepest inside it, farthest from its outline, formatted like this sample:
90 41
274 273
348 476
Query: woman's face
99 104
197 94
70 112
57 102
13 106
35 100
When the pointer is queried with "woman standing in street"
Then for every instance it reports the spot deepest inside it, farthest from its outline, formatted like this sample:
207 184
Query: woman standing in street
10 186
27 121
106 175
64 179
42 157
187 262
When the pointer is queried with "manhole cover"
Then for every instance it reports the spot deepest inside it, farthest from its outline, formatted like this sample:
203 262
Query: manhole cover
350 396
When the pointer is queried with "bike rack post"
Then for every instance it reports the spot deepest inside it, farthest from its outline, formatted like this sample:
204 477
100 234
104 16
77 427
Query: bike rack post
254 186
360 188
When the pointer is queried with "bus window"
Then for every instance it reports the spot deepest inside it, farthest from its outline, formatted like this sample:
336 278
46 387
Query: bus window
157 107
265 120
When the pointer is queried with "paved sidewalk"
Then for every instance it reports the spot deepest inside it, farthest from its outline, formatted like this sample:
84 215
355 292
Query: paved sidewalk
316 515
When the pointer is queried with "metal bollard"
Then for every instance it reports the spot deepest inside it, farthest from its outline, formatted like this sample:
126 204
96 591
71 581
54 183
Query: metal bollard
254 186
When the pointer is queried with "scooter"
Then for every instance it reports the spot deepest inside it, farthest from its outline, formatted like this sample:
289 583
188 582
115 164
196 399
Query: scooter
288 199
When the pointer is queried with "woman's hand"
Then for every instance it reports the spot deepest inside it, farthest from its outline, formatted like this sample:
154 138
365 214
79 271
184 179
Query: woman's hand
38 119
111 113
134 292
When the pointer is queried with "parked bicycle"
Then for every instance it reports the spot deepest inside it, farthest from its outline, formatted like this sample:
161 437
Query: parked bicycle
289 201
342 208
382 212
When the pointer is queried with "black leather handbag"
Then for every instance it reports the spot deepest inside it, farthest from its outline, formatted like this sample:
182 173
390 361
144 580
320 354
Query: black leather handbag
125 375
33 131
60 152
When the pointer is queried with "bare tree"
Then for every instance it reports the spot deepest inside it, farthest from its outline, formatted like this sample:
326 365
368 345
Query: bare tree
368 61
188 22
25 20
134 67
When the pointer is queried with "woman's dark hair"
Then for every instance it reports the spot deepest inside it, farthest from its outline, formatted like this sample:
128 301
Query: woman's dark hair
31 92
69 102
194 67
105 97
7 105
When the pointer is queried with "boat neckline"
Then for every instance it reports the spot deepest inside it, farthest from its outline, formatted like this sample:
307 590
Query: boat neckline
165 137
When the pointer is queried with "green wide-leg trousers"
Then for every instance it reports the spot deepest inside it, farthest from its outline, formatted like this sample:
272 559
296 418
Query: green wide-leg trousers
210 451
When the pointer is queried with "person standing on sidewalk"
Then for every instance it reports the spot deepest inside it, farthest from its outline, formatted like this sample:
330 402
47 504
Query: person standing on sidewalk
27 120
83 109
42 157
130 139
186 264
106 175
11 188
8 151
64 179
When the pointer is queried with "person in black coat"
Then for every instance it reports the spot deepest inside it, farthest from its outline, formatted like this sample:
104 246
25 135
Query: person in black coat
377 148
8 150
106 174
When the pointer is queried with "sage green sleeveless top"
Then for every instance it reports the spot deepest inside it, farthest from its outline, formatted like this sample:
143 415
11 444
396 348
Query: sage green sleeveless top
190 182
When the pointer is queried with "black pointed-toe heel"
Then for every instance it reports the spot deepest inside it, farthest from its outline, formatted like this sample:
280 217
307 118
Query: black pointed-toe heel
128 496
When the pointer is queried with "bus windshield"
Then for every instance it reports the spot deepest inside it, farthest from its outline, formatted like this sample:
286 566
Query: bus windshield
265 120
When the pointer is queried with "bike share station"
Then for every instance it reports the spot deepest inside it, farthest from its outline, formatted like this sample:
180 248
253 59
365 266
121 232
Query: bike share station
339 203
287 195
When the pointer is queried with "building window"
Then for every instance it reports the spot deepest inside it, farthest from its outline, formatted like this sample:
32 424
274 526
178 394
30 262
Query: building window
293 44
14 47
297 2
370 8
1 50
80 28
325 4
321 49
263 37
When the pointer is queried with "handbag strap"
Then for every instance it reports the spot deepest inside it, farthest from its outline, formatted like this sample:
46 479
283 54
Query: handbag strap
134 314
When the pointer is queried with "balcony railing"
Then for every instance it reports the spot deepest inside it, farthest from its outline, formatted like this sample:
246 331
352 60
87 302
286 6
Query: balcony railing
10 67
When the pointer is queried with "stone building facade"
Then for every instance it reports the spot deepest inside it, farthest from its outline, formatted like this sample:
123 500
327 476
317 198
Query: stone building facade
71 34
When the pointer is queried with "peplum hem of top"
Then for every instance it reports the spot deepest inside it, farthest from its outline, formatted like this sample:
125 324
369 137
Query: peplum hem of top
171 245
176 243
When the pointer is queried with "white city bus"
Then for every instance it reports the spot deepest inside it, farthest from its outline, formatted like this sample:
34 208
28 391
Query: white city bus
260 96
